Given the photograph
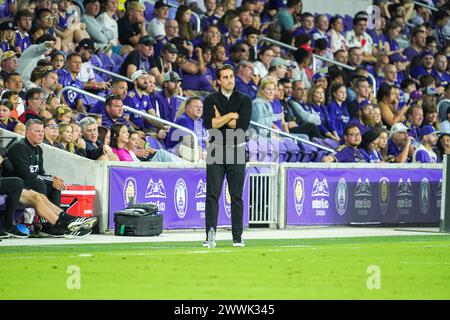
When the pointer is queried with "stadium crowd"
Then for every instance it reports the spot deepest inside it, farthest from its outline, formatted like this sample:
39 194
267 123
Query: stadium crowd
170 51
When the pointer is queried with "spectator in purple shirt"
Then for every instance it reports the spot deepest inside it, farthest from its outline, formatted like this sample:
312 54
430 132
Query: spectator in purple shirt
399 144
191 119
244 79
349 151
7 36
168 104
68 77
440 69
138 99
426 68
23 21
424 151
418 42
338 112
6 121
366 118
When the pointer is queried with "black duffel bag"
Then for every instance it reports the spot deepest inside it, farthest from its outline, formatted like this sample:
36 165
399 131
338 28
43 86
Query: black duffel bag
143 219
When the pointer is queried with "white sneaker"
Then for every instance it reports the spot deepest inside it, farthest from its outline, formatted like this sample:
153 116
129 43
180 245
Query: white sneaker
238 243
211 238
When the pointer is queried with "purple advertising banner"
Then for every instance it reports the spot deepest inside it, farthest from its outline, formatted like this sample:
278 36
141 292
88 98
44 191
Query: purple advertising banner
363 196
179 193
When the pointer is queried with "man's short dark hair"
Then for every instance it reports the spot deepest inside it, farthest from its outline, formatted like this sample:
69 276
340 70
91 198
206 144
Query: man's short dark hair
22 13
31 92
426 80
350 126
73 54
110 98
224 67
41 12
293 3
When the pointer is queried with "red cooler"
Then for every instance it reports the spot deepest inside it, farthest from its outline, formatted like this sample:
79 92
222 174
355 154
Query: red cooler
78 200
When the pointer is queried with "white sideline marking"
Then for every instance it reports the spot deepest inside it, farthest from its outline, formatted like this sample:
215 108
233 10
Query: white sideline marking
425 263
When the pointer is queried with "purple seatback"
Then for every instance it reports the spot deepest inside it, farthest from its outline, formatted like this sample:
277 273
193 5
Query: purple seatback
252 150
154 143
292 150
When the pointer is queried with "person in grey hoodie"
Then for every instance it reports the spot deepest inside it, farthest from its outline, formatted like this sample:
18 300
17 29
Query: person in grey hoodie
30 57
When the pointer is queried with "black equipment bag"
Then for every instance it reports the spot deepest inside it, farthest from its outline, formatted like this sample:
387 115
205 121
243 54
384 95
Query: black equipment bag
143 219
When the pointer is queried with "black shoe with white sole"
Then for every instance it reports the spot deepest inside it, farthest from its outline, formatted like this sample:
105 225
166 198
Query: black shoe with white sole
82 233
47 230
73 224
14 233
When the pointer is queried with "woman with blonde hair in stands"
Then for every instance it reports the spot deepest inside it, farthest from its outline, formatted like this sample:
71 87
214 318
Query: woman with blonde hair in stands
78 141
65 136
262 111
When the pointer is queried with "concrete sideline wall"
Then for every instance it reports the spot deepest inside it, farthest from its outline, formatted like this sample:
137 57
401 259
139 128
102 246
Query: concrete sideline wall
332 7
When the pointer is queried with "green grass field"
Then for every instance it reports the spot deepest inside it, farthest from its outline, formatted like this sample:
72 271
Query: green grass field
410 267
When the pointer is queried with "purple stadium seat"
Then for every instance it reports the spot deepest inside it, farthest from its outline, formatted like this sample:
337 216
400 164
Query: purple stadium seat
292 150
148 11
320 155
172 13
283 154
309 152
154 143
251 149
265 151
117 62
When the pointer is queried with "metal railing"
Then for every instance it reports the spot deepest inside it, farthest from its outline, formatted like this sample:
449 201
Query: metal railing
256 124
263 193
142 114
315 56
425 5
112 74
439 111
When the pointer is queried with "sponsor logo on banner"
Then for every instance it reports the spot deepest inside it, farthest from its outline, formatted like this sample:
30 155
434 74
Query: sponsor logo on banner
424 196
363 196
384 194
130 192
156 190
341 197
180 198
404 196
200 194
439 194
299 192
227 200
320 190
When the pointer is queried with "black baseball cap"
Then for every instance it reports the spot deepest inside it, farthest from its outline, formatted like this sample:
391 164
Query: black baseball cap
160 4
147 40
170 47
87 43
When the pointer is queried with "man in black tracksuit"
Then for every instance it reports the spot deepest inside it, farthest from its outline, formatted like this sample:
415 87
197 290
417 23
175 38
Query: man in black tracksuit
28 164
226 114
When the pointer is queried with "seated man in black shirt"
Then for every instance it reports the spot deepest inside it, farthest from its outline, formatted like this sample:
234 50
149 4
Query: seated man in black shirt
95 149
132 25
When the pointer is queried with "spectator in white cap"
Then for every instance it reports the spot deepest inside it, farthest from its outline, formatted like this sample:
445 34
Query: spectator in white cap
399 144
279 68
424 151
138 99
